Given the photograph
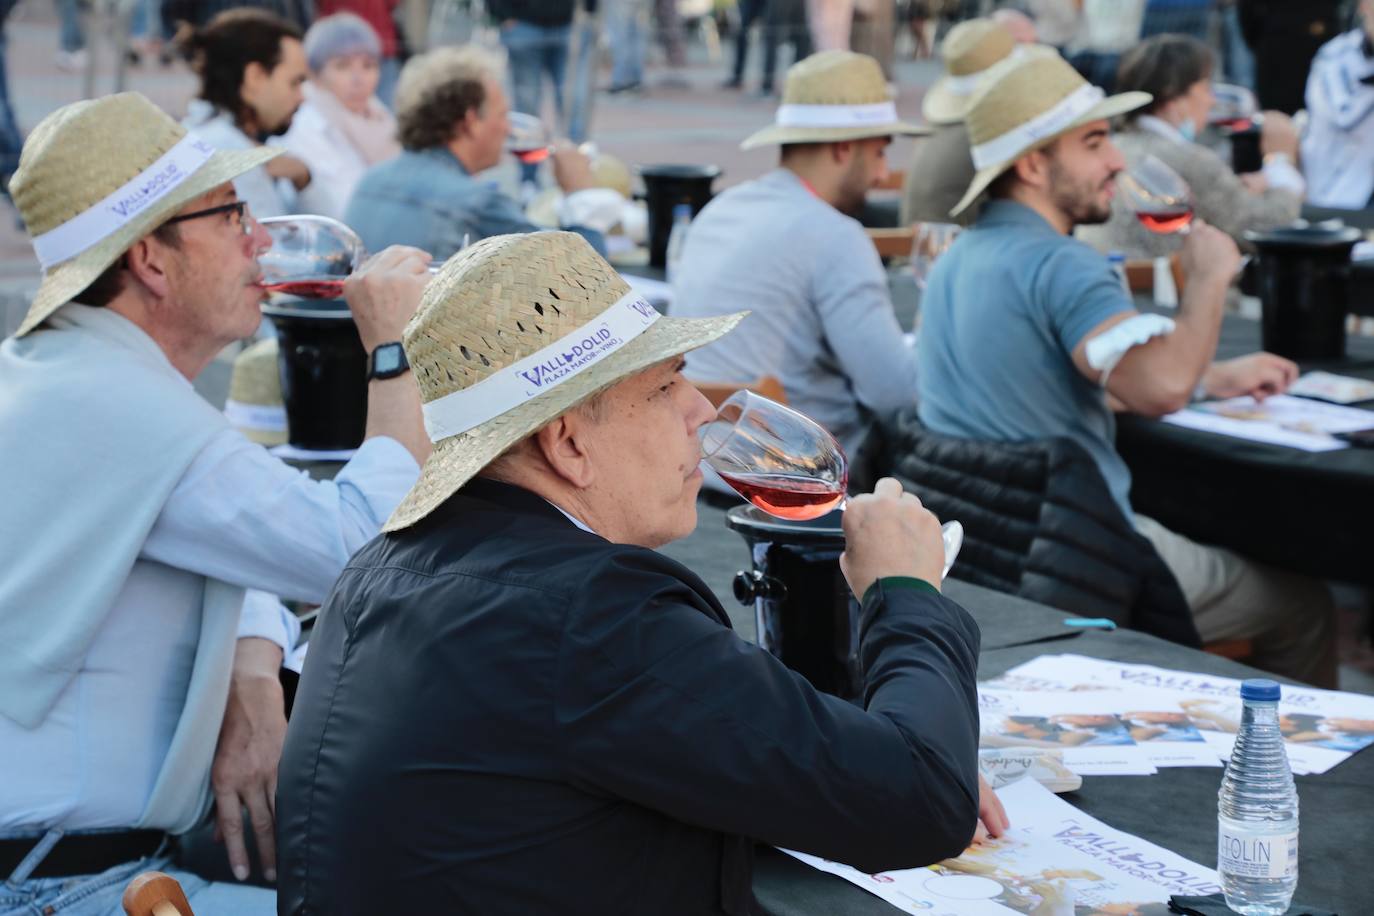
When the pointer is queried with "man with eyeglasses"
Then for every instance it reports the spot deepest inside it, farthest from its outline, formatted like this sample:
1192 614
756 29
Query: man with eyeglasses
144 537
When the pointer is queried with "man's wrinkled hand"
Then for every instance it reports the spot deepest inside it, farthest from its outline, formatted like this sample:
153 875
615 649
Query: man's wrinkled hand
992 817
244 773
384 293
889 533
1258 375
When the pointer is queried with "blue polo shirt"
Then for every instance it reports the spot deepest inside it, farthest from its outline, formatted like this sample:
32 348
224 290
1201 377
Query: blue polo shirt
1003 310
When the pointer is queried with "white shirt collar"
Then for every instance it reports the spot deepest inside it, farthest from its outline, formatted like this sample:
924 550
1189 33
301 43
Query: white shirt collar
572 518
112 326
1160 127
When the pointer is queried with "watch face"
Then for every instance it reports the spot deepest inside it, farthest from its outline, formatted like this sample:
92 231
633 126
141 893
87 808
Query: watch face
386 359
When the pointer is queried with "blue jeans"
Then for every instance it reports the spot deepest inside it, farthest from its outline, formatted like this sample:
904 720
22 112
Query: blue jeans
390 72
1238 63
70 38
535 50
1187 18
10 139
627 25
580 89
99 895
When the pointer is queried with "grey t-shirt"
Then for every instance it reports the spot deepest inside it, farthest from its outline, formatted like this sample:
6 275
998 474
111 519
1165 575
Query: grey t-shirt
822 319
1003 310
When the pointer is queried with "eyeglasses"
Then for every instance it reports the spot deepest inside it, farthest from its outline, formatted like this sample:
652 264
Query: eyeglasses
242 219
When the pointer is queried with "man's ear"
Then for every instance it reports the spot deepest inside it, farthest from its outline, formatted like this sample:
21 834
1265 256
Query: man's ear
1033 169
254 75
148 262
841 153
563 446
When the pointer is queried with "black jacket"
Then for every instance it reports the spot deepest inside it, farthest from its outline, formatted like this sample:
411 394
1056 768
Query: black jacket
1039 522
502 713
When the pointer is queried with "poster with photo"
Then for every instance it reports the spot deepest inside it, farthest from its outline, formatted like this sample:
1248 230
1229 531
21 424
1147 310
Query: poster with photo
1321 727
1166 734
1084 727
1054 861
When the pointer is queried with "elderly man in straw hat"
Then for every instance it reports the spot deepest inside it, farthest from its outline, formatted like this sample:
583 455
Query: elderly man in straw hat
1027 333
787 246
514 705
131 685
941 166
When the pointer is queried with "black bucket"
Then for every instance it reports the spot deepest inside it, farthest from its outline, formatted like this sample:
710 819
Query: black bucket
666 186
803 610
323 373
1303 279
1246 156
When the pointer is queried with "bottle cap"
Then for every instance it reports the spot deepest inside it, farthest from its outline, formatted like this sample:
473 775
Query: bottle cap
1115 256
1261 689
681 210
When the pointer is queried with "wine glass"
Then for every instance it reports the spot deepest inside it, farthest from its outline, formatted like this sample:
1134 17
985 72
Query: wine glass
1233 107
311 256
1158 196
527 139
932 240
785 463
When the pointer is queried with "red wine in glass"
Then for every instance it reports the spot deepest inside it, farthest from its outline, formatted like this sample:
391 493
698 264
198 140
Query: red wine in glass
1240 123
786 495
531 156
327 288
1165 221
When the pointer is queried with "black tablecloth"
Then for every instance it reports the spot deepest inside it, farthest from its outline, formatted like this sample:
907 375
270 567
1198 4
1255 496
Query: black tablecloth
1175 808
1306 511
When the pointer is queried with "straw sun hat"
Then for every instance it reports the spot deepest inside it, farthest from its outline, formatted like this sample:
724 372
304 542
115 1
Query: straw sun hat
96 176
969 51
255 405
515 330
830 97
1026 107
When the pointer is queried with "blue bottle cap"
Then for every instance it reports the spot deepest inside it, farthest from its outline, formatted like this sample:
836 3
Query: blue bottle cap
681 210
1262 689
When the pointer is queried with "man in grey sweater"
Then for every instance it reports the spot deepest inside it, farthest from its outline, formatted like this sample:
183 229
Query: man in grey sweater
784 247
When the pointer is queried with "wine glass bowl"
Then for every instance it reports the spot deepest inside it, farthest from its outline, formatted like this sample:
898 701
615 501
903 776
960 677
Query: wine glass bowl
310 257
932 240
785 463
1233 107
527 139
778 459
1157 195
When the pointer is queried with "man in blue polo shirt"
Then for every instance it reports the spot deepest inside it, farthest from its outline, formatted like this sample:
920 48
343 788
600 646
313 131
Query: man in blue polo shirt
1027 334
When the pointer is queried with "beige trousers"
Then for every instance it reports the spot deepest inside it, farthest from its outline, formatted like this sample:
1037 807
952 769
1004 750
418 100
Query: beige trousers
1289 618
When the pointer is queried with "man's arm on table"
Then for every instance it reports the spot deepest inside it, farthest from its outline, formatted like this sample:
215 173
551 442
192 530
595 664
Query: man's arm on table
497 213
1159 375
672 711
855 308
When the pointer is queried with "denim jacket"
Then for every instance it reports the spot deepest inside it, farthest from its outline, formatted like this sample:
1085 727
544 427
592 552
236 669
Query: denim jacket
427 199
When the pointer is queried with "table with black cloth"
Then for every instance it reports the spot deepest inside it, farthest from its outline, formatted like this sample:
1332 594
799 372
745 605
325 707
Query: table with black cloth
1175 808
1305 511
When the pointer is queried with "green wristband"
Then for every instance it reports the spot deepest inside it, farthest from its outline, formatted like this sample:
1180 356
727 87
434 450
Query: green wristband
907 582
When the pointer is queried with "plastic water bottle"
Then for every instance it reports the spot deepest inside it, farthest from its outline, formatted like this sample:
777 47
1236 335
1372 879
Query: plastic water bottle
1118 262
677 238
1257 811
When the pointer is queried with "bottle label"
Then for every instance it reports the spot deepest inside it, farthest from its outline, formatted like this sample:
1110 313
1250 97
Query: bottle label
1246 853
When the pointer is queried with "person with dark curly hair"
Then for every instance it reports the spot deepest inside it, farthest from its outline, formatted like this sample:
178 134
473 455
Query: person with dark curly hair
251 65
451 119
